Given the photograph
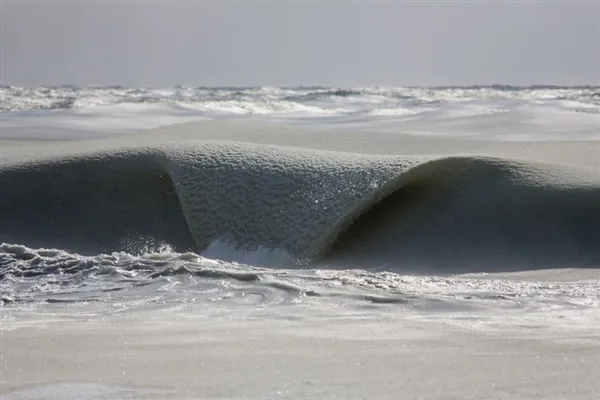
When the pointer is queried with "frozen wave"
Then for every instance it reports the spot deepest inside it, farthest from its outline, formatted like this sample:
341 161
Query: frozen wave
410 213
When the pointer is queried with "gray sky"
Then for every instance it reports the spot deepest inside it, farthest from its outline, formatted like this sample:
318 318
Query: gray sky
291 43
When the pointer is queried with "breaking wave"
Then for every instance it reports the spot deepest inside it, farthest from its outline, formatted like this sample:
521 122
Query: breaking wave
273 100
294 206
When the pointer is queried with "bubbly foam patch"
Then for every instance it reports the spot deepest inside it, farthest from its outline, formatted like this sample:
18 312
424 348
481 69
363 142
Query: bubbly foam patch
260 256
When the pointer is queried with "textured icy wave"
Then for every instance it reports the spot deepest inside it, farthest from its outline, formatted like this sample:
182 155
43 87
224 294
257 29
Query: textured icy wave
399 213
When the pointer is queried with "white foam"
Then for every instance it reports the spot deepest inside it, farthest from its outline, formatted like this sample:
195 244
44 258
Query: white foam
91 122
261 256
529 114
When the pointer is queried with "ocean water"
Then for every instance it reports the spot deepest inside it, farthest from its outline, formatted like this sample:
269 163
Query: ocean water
414 188
95 201
477 207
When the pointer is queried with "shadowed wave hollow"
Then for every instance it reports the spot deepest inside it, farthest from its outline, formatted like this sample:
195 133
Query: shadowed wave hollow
400 213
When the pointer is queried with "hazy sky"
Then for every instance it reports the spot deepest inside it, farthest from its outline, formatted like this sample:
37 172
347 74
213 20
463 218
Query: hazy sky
163 43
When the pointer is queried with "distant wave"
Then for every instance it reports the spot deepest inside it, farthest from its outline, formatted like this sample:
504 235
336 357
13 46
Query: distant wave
398 213
66 97
324 93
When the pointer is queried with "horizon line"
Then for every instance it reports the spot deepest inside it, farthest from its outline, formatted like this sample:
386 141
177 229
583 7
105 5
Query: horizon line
312 86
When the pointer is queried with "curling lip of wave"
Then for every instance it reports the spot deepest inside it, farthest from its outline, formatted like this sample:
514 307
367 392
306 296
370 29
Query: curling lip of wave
459 214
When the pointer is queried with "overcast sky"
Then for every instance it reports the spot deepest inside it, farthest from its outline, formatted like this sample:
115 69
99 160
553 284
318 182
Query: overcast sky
292 43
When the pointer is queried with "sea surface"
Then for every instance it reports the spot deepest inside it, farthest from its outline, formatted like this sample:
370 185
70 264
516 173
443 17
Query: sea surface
477 206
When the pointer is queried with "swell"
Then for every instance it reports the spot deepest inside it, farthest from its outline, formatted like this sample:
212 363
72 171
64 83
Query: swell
417 214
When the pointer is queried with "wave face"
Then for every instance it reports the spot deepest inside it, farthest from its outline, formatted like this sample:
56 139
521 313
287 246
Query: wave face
322 208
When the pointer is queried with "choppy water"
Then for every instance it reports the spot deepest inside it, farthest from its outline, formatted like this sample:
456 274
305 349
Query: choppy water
487 112
376 101
385 203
